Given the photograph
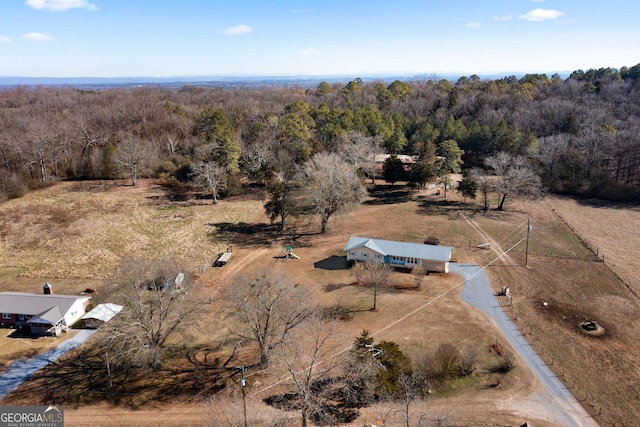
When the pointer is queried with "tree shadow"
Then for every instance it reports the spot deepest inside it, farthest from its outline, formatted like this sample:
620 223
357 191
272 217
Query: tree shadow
334 262
82 377
245 234
600 203
333 405
336 286
441 207
389 194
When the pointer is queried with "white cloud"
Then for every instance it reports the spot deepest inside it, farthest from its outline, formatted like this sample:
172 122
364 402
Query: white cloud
538 15
310 51
237 30
473 25
4 39
60 5
37 37
503 18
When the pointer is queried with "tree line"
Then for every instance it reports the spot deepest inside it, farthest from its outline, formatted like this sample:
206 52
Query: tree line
578 135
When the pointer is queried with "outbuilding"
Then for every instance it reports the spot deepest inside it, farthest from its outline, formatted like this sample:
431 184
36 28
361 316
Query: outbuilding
100 314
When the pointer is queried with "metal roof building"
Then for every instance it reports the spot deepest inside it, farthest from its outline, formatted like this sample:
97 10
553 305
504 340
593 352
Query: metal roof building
100 314
41 311
402 254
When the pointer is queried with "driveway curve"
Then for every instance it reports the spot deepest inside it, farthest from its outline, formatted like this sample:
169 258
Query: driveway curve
20 370
566 410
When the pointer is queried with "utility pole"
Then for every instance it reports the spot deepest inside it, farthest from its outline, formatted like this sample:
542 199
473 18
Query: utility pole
106 354
526 252
243 382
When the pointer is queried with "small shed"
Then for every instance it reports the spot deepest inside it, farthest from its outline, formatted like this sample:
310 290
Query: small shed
223 258
100 314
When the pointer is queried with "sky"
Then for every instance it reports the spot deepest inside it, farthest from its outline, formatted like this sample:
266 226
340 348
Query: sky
170 38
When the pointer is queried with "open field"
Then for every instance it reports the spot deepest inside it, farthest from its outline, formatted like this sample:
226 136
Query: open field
610 230
94 225
83 230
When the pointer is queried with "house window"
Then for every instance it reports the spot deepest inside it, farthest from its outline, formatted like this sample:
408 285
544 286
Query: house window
378 256
6 315
365 255
20 316
352 253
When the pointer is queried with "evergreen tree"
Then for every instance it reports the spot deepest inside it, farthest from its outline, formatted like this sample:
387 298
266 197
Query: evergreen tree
393 169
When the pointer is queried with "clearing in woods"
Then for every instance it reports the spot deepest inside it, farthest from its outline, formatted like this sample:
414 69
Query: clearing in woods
73 235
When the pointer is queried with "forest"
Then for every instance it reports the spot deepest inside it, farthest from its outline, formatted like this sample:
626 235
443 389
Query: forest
578 136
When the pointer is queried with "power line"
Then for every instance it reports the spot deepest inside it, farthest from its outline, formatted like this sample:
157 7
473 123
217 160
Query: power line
442 295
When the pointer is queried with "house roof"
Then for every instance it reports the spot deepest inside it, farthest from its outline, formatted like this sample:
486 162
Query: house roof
103 312
50 316
36 305
401 249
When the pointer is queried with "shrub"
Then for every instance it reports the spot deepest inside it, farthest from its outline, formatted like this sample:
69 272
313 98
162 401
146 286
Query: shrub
468 364
446 361
506 364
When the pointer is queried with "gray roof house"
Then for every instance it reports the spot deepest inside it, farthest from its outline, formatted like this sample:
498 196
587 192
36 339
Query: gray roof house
44 313
401 254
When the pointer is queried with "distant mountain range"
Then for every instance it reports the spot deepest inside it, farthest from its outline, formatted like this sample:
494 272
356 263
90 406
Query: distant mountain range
221 81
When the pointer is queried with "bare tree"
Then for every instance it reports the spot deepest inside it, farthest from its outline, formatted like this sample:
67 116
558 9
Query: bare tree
211 175
156 303
412 388
550 154
418 274
267 306
374 276
133 154
515 177
329 185
310 359
360 150
484 185
39 146
257 159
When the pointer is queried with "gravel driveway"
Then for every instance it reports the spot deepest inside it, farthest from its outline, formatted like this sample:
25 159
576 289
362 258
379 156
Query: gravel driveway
21 370
561 406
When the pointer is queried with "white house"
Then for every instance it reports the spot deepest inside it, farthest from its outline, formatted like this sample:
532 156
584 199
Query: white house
43 313
401 254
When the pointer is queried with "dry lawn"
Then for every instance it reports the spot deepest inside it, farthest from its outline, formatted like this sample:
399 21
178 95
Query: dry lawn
610 230
128 222
83 230
15 346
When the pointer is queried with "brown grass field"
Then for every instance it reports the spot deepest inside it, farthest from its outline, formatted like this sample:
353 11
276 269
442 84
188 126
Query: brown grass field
74 234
